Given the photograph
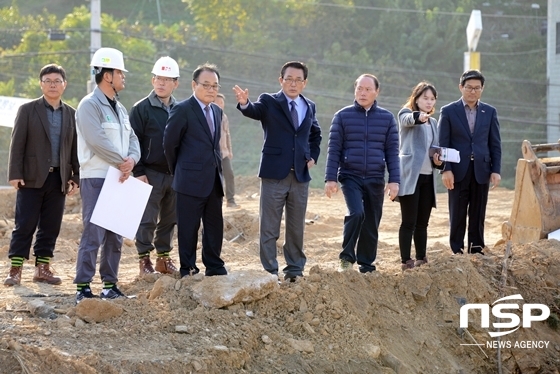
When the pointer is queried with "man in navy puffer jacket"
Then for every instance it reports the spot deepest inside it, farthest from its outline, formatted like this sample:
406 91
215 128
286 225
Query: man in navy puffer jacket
363 140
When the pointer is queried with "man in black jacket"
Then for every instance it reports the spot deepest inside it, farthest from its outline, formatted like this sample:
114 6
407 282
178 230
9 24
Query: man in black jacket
43 168
148 118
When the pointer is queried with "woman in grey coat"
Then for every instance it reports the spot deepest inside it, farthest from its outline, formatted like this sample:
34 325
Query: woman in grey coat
417 192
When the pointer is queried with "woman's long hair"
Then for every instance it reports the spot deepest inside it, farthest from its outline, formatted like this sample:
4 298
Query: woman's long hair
416 93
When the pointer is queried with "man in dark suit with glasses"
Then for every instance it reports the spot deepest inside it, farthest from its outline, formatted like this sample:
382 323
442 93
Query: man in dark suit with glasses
191 142
471 127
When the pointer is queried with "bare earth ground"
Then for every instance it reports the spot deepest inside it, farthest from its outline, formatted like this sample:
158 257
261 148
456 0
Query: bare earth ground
326 322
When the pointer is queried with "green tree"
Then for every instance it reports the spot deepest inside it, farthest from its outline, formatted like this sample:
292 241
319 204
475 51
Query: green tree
36 50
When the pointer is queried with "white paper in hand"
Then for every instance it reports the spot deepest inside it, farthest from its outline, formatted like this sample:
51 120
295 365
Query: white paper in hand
446 154
450 155
120 206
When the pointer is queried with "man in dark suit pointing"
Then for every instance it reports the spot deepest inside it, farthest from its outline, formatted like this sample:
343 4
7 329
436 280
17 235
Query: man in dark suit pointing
191 143
471 127
292 137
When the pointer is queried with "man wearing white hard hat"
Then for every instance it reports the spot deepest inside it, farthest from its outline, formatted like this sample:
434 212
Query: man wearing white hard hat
148 118
105 138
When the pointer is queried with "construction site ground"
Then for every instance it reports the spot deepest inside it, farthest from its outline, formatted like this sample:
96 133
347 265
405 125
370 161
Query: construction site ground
326 322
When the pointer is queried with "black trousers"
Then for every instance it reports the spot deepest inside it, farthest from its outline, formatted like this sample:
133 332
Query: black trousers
158 222
190 211
364 201
415 213
38 209
467 198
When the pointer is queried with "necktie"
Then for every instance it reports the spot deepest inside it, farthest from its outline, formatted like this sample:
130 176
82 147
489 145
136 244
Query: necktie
209 120
293 113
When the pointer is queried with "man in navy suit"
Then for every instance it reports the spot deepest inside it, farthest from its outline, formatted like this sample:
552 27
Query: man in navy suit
292 139
471 127
191 143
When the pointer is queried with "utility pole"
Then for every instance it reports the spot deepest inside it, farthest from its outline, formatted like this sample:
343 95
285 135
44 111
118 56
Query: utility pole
158 11
474 29
95 35
553 72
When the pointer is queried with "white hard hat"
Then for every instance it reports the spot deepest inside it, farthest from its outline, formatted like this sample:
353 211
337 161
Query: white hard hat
110 58
166 67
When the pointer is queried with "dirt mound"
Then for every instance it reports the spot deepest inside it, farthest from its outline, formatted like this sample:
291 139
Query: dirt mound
325 322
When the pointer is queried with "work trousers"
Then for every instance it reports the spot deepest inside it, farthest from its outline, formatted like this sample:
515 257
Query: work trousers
227 171
94 237
38 209
159 219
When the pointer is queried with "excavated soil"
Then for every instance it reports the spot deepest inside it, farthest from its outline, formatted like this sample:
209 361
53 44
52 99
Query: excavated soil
326 322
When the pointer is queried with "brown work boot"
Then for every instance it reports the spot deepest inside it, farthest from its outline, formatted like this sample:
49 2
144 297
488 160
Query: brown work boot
165 265
14 277
43 274
146 266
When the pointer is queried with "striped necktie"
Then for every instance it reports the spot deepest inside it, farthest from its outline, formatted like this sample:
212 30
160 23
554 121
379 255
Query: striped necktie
209 120
294 114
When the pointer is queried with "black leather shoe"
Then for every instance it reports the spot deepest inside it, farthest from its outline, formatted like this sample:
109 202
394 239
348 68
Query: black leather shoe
289 277
476 249
212 272
189 271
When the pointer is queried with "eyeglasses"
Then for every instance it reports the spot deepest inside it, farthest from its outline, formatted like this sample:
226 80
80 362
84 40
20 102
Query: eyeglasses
473 89
56 82
208 86
291 81
164 80
367 89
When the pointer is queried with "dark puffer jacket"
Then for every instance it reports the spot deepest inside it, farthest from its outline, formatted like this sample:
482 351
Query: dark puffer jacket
362 142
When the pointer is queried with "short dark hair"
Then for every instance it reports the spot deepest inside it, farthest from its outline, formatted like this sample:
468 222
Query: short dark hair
52 68
418 91
99 76
205 67
471 74
296 65
373 77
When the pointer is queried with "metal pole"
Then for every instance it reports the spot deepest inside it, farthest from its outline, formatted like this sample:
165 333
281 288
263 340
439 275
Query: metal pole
158 11
95 35
552 73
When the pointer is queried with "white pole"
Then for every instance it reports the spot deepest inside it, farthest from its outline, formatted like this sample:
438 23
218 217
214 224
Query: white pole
95 35
158 11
